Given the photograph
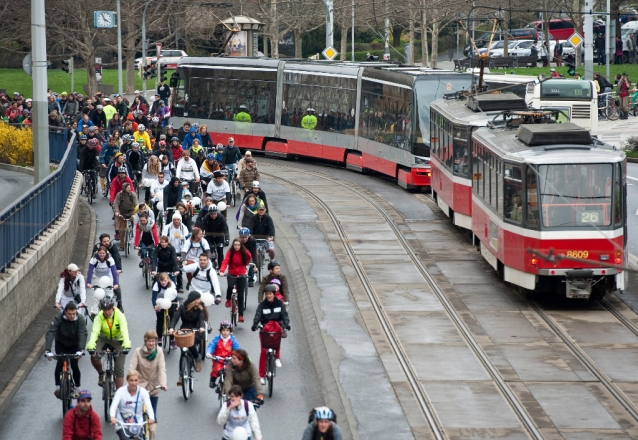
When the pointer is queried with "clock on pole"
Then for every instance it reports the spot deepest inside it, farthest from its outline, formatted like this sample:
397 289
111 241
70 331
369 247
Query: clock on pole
104 19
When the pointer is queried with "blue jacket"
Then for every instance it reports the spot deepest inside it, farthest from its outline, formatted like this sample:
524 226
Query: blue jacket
213 344
107 153
188 141
81 123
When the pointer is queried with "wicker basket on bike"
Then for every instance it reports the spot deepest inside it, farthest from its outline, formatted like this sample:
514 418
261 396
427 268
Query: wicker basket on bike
184 338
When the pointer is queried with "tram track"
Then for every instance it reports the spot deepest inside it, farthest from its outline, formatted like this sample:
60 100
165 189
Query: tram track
425 404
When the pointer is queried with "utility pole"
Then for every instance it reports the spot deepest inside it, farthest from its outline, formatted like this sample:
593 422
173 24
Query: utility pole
589 40
329 22
608 35
72 75
144 47
120 83
39 70
352 35
386 48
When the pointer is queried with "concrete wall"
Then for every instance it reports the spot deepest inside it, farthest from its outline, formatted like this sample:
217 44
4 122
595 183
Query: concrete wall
29 284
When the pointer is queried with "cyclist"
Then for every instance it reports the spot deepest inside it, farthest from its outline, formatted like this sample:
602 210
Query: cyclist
187 170
177 233
192 315
156 127
158 186
82 422
68 329
150 364
262 227
135 159
203 213
141 209
127 140
236 261
106 157
207 140
124 207
129 403
242 372
70 288
113 169
219 154
273 316
323 426
162 150
109 329
193 248
242 162
231 156
216 231
142 138
89 157
103 265
190 137
165 259
219 190
204 278
207 169
117 184
274 274
258 192
247 210
238 413
222 346
186 213
111 248
159 289
248 175
176 149
146 238
250 244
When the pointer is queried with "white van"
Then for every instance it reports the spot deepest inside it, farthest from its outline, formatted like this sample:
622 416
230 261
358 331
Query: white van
631 27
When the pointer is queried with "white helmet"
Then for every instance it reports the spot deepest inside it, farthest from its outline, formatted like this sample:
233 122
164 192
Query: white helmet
155 120
141 127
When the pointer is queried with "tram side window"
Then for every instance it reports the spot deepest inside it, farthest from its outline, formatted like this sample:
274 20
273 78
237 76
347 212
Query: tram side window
532 198
494 193
386 114
476 168
434 135
618 196
461 153
221 99
513 192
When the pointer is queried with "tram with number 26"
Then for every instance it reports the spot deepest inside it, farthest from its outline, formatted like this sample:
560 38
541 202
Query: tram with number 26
368 116
546 201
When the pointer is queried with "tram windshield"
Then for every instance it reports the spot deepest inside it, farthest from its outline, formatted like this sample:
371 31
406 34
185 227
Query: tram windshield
573 195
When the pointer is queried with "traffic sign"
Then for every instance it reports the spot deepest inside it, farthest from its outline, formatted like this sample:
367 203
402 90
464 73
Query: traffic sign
26 64
330 53
575 40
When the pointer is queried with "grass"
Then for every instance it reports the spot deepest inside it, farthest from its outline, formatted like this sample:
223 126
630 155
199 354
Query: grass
16 80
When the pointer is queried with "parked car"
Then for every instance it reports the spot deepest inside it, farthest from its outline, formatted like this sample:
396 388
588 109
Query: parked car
525 51
511 47
169 58
514 34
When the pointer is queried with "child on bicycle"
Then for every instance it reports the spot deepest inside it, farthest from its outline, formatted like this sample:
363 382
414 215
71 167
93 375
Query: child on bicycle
221 346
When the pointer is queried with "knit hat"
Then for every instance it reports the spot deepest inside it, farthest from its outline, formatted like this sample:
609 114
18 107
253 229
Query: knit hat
193 296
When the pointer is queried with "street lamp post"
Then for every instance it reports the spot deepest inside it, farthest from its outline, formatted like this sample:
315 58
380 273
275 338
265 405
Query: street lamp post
144 47
119 50
39 73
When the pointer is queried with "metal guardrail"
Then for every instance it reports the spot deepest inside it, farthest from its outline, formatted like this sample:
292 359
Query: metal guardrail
24 221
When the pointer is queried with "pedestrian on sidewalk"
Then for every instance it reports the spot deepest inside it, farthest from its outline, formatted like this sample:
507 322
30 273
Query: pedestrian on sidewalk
558 54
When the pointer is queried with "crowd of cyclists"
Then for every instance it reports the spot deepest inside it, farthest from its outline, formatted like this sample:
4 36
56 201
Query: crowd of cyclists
180 224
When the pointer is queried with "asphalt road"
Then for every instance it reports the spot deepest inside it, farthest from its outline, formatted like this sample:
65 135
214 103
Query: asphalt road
13 186
283 416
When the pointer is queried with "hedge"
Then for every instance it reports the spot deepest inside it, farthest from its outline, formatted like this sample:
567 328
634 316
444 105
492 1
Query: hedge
16 145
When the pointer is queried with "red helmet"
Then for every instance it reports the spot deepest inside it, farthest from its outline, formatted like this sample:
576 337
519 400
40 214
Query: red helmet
162 143
94 142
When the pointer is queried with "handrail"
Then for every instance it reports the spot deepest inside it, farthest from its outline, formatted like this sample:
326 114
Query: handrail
25 220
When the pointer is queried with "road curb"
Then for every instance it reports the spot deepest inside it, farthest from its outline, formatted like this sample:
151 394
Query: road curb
16 169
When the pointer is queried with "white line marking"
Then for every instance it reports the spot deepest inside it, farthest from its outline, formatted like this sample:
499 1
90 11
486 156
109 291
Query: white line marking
636 211
632 178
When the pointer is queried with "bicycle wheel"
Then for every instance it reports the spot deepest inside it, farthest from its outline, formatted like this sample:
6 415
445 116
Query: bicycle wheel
127 242
233 193
202 345
245 295
106 395
184 368
220 387
233 310
191 382
147 274
65 393
260 262
270 372
612 113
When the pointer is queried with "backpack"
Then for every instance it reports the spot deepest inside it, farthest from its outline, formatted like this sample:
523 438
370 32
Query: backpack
311 416
188 286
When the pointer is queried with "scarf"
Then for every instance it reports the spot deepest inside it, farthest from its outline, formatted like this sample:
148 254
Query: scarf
254 209
148 227
150 356
225 340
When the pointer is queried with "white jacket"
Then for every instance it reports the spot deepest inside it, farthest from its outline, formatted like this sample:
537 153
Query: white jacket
200 281
187 170
123 403
237 417
63 297
192 251
158 187
176 236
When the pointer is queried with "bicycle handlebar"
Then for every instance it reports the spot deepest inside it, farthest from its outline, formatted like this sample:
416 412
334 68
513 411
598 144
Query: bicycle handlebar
62 356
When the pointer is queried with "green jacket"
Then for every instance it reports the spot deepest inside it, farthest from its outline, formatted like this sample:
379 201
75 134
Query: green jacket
309 122
242 117
118 330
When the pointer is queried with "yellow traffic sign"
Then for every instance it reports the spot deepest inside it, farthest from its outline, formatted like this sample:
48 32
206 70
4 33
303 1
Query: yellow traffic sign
330 53
576 40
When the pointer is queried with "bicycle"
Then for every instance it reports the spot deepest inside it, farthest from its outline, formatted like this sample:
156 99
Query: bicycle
221 378
607 107
166 337
234 299
233 186
185 338
67 385
128 235
262 250
109 388
271 341
147 267
137 176
89 185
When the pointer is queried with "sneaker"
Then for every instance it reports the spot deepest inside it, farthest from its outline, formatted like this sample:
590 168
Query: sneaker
57 392
241 319
173 344
227 304
211 382
262 380
278 363
100 381
179 381
218 300
117 236
251 284
198 365
141 264
180 290
159 343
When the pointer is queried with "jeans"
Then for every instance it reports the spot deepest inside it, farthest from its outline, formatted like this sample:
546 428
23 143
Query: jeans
154 401
144 249
61 348
241 286
231 167
250 394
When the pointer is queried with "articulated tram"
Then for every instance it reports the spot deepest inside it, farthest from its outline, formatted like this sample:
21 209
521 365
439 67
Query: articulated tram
545 200
369 116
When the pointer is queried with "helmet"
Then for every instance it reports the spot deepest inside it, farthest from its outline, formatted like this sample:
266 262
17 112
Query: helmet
169 126
195 125
218 174
255 183
135 145
137 112
106 303
127 138
244 232
155 120
83 137
323 413
270 288
243 107
162 143
93 142
273 264
141 127
99 107
121 170
220 147
210 156
225 324
174 138
212 209
93 128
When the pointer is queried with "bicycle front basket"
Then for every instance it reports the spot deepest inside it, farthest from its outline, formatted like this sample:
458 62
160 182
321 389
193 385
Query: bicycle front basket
270 339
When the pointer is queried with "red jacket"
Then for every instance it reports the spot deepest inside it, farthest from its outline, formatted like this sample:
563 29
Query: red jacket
177 153
237 267
116 186
77 427
138 234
